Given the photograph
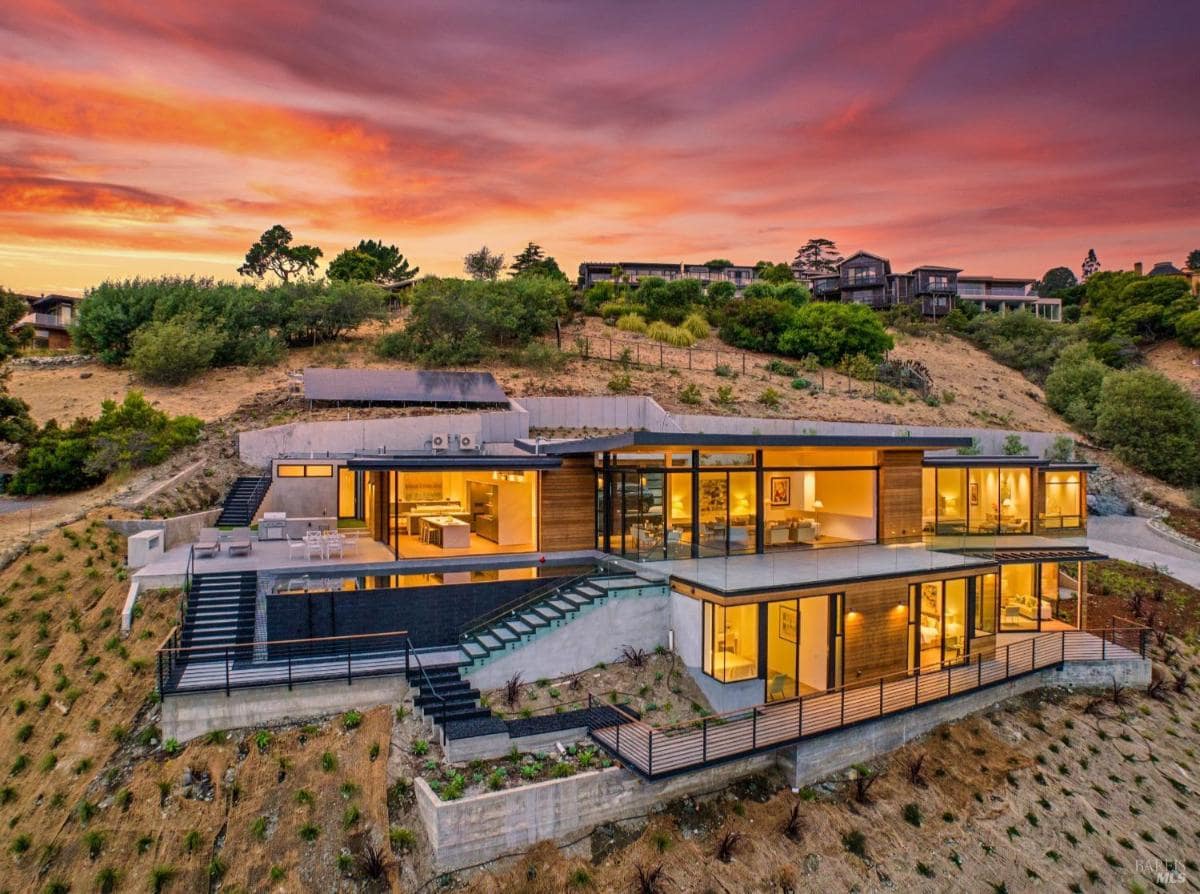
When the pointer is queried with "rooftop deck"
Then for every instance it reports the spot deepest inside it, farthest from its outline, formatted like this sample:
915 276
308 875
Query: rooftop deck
811 567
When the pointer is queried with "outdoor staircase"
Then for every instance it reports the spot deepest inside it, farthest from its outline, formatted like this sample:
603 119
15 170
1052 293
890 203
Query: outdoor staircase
243 501
220 609
444 696
549 610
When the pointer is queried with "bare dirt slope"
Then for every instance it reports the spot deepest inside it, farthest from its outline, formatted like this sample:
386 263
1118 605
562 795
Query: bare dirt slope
1178 363
971 388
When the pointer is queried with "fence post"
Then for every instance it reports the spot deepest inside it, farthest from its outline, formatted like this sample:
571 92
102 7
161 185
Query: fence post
289 653
743 363
881 696
979 665
754 729
1033 660
650 754
704 740
800 719
618 734
1062 648
1007 660
349 675
227 672
1103 646
660 355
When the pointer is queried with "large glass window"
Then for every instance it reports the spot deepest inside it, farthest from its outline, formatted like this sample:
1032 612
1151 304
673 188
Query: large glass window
1018 599
1062 500
731 642
713 512
978 500
938 617
985 605
797 647
347 493
743 514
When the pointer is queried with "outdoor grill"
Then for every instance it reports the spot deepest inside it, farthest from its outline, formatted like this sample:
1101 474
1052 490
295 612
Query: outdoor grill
273 526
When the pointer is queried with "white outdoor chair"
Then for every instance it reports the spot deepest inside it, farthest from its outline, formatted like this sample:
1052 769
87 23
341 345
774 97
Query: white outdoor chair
296 547
313 546
333 544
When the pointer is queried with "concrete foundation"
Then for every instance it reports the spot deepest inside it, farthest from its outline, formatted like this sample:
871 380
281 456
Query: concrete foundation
497 824
816 758
187 716
490 826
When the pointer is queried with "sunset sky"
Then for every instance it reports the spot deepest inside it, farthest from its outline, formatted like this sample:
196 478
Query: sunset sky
1003 137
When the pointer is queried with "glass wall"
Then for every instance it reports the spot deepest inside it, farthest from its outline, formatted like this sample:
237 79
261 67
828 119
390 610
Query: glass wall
1062 501
347 493
985 605
1018 598
797 647
684 504
978 500
731 642
938 622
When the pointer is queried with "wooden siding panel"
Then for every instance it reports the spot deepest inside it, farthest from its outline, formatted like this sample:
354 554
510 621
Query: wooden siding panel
876 638
567 519
900 495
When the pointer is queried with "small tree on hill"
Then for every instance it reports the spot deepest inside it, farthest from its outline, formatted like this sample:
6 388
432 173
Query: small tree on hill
817 255
1056 280
1193 260
274 253
372 261
483 264
1091 265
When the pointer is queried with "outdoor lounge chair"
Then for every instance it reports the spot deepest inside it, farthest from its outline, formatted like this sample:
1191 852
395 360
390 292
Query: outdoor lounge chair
778 688
208 544
240 543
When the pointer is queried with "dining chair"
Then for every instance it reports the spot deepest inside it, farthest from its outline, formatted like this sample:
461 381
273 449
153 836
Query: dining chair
295 547
333 543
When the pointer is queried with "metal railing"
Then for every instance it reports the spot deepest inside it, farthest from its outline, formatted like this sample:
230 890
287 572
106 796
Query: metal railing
531 597
439 716
279 662
663 751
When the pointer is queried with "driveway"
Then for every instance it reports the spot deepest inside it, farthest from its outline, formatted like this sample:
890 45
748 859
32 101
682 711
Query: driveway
1128 537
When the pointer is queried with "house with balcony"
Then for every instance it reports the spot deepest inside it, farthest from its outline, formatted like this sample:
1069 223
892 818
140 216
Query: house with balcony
808 578
866 278
632 272
49 320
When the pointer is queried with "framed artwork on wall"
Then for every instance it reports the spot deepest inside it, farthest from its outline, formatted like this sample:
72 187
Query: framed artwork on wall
974 491
788 626
781 491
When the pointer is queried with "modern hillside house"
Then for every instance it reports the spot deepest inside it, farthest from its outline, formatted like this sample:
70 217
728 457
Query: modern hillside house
865 278
780 564
592 272
49 320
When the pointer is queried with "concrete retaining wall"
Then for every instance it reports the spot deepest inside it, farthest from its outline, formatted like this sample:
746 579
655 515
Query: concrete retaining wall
258 448
484 748
488 826
597 412
187 716
991 440
177 530
814 759
638 621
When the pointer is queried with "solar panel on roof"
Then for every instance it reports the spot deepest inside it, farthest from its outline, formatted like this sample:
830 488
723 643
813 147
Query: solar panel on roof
402 386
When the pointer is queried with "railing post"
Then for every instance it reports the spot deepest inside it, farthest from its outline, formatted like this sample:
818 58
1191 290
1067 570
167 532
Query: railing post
227 672
842 716
754 729
800 719
704 740
979 671
1007 660
1143 639
1103 646
289 654
349 673
618 734
650 754
881 696
1033 660
1062 639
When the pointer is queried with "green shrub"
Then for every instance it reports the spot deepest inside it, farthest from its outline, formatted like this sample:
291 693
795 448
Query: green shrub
690 394
696 325
1014 446
173 352
781 367
831 332
632 323
1151 423
770 398
676 336
724 396
801 384
621 383
1073 386
757 324
542 357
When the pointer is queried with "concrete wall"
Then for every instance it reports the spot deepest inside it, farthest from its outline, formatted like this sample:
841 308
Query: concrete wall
597 412
498 824
177 530
990 439
485 827
816 758
187 716
598 635
304 497
259 447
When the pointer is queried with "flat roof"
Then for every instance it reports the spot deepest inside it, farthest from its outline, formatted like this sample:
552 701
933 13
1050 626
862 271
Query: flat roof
642 438
1005 460
478 462
402 386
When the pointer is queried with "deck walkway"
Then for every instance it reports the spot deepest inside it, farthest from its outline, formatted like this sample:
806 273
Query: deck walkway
655 753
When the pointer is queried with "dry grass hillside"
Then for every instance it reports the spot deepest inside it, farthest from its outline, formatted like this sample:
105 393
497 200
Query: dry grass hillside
971 388
90 802
1178 363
